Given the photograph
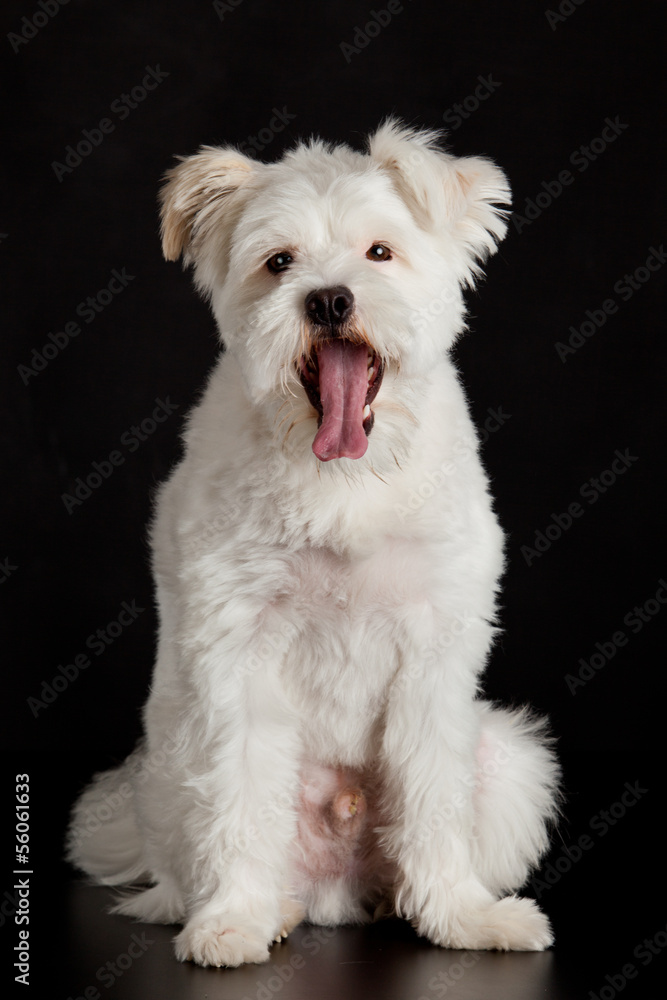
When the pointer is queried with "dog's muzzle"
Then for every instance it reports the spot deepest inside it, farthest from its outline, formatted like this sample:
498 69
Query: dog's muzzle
341 375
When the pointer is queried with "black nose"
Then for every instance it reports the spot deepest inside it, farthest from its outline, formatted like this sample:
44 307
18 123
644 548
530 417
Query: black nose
329 306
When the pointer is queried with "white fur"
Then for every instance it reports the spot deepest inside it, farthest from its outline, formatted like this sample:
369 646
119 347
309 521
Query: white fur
336 614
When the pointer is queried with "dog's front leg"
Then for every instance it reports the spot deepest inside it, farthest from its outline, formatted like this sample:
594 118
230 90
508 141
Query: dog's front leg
430 776
239 788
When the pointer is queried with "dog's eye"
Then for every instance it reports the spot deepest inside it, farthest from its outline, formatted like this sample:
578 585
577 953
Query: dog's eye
378 252
279 262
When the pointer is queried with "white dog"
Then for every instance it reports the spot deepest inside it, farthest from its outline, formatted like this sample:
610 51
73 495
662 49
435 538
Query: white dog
327 564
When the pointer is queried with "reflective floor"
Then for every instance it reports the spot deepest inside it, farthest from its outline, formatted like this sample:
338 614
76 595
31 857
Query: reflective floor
602 886
110 956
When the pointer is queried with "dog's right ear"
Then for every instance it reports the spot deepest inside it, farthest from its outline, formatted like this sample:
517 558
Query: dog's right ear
198 194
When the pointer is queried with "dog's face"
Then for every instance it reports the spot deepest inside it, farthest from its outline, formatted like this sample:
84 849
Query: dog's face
335 276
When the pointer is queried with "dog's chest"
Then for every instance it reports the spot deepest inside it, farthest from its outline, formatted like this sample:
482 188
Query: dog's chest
350 619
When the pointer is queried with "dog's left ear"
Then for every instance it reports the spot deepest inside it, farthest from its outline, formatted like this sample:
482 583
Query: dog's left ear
461 196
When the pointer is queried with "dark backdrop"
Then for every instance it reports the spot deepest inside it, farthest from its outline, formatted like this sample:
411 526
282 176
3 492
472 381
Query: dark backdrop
564 363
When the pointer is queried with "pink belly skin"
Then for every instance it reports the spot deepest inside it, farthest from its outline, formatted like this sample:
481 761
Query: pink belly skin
336 838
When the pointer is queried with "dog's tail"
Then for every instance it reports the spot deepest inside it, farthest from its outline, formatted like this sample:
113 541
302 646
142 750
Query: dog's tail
103 839
518 796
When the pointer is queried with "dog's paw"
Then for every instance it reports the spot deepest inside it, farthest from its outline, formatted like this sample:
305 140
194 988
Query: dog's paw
220 941
510 924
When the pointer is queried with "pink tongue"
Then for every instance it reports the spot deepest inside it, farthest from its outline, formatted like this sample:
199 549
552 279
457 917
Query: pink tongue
343 387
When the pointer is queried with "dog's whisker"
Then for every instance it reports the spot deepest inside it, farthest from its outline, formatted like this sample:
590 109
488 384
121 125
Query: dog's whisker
286 417
378 476
400 408
295 422
285 379
286 386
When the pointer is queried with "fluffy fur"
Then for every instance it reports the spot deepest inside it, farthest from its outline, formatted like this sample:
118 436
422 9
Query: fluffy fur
315 745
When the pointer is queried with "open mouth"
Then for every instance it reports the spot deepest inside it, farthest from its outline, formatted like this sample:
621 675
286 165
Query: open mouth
341 380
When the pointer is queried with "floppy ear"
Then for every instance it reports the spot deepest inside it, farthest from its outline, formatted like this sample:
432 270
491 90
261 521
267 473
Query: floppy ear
461 196
198 194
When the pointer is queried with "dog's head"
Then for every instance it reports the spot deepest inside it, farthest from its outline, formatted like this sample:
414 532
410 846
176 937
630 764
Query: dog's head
336 276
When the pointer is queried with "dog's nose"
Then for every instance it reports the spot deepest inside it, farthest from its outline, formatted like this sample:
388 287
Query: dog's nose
329 306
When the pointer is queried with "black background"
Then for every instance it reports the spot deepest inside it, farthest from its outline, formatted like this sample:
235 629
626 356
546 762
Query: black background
66 574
